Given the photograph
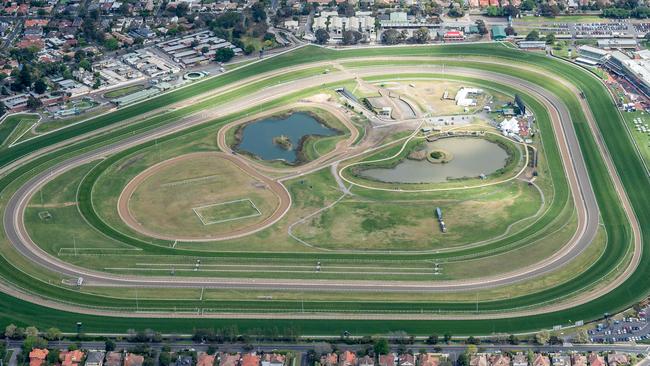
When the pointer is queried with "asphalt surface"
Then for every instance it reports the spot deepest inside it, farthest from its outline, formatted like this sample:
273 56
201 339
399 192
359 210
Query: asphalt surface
567 141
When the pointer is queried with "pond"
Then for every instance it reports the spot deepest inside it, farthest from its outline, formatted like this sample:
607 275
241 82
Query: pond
471 158
260 138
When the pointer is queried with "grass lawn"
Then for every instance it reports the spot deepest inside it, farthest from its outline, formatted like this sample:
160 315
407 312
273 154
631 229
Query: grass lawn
642 139
190 198
117 93
12 127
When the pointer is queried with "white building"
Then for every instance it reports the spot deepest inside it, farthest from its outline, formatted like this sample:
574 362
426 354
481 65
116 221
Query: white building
509 126
464 97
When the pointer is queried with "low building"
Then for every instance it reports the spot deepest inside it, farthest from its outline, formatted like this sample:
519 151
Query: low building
273 359
519 360
37 356
478 360
429 359
330 359
592 54
595 359
558 359
388 360
541 360
578 359
347 358
229 359
499 360
204 359
95 358
184 360
71 358
250 359
113 359
453 36
132 359
366 361
617 359
532 45
498 33
618 43
406 359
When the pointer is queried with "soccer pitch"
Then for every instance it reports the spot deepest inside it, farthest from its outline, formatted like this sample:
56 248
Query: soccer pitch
217 213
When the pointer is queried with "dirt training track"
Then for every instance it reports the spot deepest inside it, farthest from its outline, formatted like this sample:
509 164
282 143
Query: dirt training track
569 149
278 190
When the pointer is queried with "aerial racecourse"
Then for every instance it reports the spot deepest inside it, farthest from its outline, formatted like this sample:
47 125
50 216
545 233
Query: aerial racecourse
462 188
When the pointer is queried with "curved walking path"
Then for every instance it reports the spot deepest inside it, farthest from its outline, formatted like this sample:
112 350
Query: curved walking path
16 232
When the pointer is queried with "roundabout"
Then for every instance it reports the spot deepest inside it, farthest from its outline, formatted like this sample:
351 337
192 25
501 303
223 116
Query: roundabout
155 212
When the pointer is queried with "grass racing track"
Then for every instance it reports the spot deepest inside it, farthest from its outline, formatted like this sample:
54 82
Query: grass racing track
627 163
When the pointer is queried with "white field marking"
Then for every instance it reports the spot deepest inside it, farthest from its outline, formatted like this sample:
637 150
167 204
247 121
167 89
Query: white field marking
190 181
14 129
99 250
266 271
272 266
207 222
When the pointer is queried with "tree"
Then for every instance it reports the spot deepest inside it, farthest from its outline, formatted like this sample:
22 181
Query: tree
542 337
224 54
550 38
351 37
456 12
33 103
322 36
53 334
473 340
381 347
447 337
421 35
10 330
181 9
53 357
109 345
85 64
40 86
510 31
433 339
112 44
581 337
532 36
258 12
392 36
513 339
3 110
345 9
31 331
471 349
482 28
463 359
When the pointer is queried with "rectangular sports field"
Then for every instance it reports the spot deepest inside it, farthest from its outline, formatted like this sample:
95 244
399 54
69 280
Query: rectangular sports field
226 211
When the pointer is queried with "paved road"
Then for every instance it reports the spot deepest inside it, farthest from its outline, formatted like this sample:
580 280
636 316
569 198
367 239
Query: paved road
572 157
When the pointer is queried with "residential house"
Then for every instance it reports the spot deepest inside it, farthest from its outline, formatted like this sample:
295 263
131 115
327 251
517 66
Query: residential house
367 361
558 359
250 359
406 359
113 359
273 359
348 358
133 360
578 359
37 356
95 358
478 360
499 360
541 360
227 359
617 359
388 360
204 359
520 360
71 358
595 359
330 359
429 359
